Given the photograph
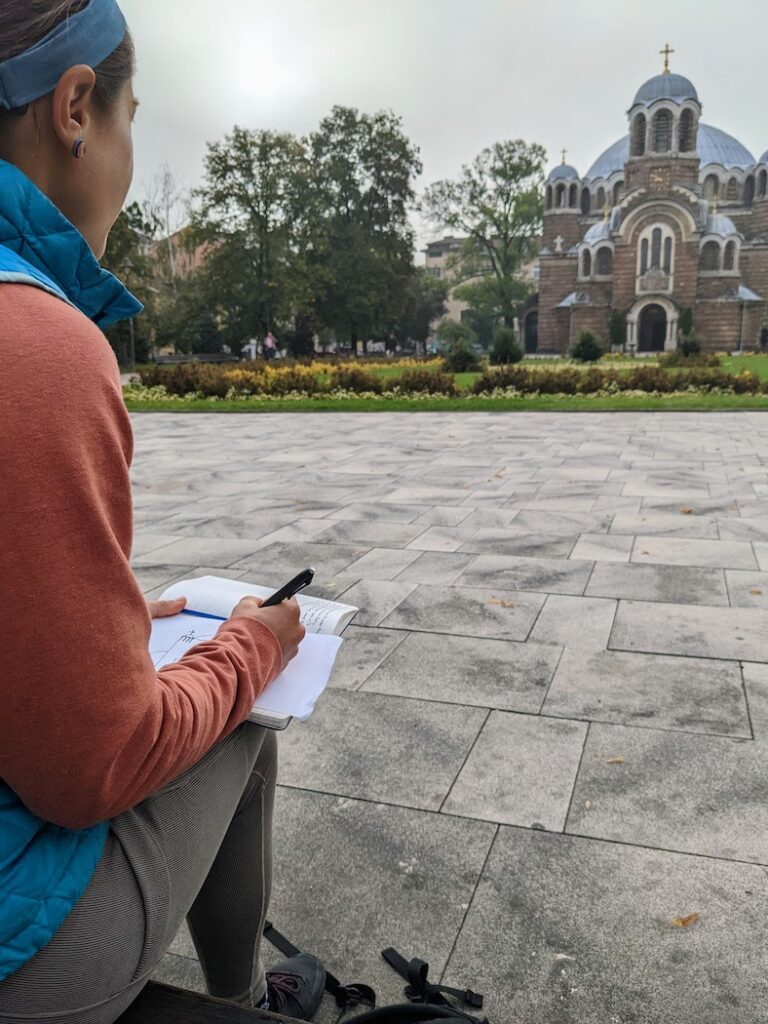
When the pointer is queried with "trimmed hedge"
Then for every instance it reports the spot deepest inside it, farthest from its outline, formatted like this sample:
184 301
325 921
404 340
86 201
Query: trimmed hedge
571 381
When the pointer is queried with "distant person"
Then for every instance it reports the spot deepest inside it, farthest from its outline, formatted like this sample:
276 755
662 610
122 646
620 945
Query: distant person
270 346
129 798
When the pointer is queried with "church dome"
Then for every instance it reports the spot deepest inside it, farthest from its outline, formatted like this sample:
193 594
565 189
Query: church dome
719 224
561 172
666 87
714 146
600 232
764 158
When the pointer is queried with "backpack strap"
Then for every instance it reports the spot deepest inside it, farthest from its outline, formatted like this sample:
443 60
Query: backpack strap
420 989
346 996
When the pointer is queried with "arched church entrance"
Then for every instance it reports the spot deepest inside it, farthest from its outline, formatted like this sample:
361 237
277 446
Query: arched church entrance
652 329
531 331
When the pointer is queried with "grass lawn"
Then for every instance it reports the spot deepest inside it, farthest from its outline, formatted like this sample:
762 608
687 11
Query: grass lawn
585 403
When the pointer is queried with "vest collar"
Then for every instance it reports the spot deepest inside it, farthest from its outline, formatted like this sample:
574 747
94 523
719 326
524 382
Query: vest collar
37 231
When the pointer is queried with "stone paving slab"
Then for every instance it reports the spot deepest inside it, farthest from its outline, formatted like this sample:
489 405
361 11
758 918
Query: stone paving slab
500 659
391 749
520 772
572 931
501 674
638 800
730 633
648 690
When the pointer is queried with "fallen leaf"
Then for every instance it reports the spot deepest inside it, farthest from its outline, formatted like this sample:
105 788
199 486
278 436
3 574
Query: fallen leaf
588 805
614 760
564 956
502 604
645 552
685 922
756 590
687 511
500 474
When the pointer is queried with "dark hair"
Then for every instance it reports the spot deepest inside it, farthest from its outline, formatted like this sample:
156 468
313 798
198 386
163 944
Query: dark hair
24 24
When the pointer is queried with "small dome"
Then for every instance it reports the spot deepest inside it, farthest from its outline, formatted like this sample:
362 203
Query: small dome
719 224
561 172
666 87
600 232
764 158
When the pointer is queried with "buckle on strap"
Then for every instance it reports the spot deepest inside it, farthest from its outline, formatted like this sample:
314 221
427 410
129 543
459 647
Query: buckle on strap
420 990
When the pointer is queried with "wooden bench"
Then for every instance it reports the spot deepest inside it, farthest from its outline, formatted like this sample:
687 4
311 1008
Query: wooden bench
161 1004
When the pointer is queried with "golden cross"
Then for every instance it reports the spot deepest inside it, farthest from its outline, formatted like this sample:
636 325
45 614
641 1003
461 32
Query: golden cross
564 155
665 54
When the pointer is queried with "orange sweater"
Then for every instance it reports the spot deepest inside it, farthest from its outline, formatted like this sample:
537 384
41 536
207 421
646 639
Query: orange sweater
88 728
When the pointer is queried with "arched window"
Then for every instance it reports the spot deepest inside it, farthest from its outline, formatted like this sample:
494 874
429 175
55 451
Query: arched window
762 184
656 248
686 141
560 194
749 191
638 135
729 260
656 251
600 198
662 132
604 262
573 198
586 263
586 201
711 186
618 189
549 197
732 191
710 256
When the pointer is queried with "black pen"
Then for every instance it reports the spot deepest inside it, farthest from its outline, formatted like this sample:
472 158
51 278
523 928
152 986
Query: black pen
298 583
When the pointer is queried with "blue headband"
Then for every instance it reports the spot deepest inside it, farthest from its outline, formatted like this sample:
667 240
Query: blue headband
87 37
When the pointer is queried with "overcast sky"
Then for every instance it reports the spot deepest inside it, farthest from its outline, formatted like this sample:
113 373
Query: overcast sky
462 73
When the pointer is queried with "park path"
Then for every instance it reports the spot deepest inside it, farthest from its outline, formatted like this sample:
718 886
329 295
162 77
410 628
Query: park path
547 736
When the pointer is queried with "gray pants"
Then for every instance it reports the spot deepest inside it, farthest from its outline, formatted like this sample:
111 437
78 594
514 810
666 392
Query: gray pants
200 849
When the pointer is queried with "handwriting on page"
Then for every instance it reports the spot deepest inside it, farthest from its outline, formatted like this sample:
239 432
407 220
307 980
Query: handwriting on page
172 638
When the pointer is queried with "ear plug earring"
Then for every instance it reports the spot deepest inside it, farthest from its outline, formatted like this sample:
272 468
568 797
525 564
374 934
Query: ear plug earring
79 149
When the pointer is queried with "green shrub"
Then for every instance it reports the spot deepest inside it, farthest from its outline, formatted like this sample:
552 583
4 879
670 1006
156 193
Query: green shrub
355 378
461 358
689 345
679 358
186 378
505 349
586 349
685 321
617 328
423 381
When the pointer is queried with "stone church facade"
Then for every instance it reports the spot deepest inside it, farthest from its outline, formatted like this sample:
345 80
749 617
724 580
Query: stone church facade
673 216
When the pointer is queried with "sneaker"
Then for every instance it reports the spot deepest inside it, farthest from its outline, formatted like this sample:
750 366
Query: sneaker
295 986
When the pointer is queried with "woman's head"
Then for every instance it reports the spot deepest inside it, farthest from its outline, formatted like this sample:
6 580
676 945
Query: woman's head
96 105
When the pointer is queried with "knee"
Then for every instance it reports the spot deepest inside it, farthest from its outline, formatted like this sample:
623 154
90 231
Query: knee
266 763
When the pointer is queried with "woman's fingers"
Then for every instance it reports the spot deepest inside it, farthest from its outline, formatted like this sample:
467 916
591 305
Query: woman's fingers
162 609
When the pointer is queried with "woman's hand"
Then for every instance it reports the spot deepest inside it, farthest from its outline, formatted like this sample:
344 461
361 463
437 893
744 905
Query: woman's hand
163 609
283 619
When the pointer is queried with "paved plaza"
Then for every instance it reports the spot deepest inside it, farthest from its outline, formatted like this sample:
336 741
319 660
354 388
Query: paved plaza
547 735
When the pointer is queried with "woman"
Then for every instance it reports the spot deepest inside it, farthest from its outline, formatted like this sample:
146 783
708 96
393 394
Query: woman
129 799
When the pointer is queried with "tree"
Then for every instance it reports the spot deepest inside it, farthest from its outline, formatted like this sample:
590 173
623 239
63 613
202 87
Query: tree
127 257
425 298
166 207
497 204
617 328
505 347
250 213
363 173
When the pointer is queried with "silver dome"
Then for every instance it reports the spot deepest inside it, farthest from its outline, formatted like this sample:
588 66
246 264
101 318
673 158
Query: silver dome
666 87
764 158
600 232
562 171
714 147
719 224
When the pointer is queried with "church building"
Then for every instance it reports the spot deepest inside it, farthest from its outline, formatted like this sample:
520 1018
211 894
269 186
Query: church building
672 217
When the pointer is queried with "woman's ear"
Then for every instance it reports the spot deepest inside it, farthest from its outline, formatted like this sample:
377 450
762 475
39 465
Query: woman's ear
72 105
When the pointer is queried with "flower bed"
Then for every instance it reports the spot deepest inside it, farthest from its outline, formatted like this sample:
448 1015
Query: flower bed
655 380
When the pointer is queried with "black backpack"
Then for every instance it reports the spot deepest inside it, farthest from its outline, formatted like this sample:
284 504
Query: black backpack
428 1003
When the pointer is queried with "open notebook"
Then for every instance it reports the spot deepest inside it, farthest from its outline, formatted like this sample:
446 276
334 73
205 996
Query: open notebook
210 600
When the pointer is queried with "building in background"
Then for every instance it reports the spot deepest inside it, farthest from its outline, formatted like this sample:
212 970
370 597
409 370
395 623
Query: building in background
672 216
438 259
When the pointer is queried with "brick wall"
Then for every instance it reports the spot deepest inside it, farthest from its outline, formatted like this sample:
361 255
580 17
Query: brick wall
757 224
557 279
661 173
563 223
